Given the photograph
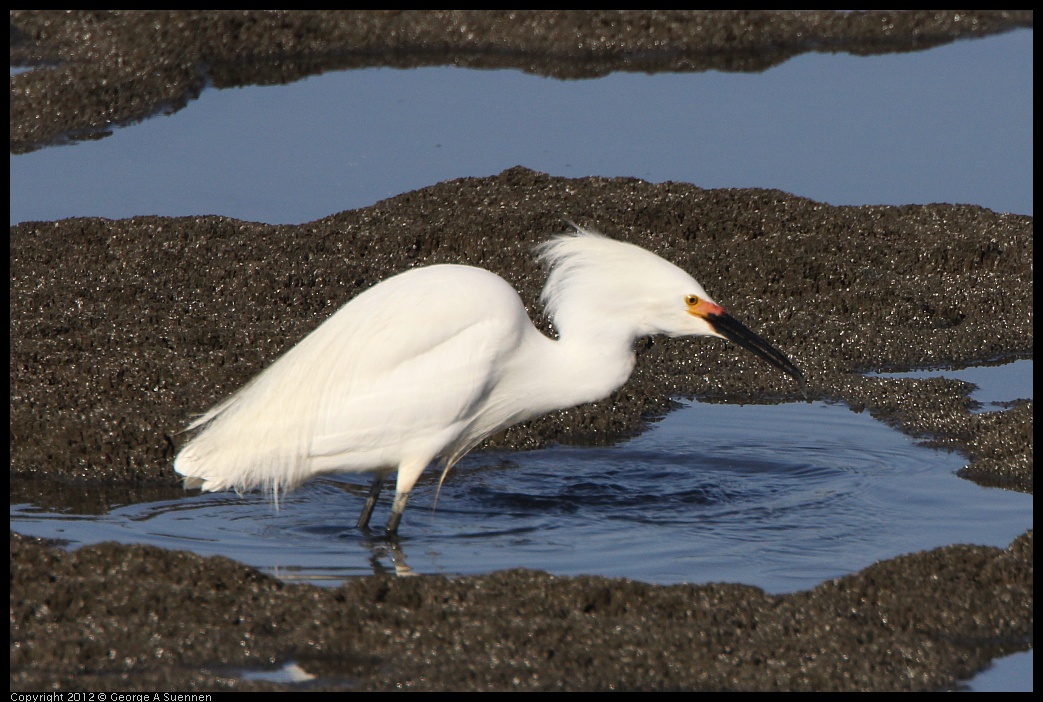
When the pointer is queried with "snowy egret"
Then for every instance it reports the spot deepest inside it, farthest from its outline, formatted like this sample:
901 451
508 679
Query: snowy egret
431 361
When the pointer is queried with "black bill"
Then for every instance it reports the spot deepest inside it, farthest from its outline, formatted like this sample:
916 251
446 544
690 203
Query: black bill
734 330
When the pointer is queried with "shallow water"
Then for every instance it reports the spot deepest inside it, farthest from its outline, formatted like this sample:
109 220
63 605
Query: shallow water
778 496
952 124
996 385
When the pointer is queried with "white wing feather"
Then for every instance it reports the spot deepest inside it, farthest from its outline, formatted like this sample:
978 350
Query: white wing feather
338 399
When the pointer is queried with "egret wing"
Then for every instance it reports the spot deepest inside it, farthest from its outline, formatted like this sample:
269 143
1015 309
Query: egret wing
394 372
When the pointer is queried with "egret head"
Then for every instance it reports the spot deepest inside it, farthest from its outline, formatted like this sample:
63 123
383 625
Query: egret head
597 284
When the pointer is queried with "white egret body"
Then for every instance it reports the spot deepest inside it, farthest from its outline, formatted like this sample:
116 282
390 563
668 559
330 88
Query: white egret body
431 361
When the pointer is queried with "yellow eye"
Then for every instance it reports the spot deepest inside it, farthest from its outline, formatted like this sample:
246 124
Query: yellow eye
692 300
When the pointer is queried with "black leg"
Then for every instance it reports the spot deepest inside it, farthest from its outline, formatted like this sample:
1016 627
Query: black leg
371 501
396 512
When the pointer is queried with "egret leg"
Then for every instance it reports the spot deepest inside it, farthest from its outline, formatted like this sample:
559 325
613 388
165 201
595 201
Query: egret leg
396 512
371 501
